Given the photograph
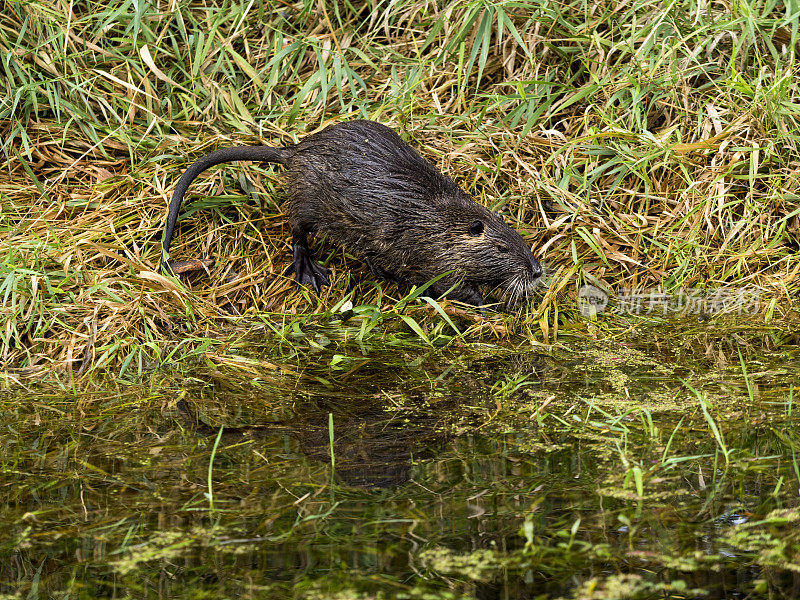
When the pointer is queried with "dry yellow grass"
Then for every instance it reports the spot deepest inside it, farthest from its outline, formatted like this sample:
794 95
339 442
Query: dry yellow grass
631 146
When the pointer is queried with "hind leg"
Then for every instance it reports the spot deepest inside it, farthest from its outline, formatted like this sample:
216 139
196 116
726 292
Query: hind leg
305 269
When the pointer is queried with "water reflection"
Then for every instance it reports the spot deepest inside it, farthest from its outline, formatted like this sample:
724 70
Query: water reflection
477 474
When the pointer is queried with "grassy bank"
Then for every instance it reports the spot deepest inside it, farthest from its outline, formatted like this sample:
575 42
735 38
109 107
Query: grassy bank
635 145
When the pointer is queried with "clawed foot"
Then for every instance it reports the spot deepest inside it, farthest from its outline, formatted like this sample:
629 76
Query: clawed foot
306 270
466 294
379 273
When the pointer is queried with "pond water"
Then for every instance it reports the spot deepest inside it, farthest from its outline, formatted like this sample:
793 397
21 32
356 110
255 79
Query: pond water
659 463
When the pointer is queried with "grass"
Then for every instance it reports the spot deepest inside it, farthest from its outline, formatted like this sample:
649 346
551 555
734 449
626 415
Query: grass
636 145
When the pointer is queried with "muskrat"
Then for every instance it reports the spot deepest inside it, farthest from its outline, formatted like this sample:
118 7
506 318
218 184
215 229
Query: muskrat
362 186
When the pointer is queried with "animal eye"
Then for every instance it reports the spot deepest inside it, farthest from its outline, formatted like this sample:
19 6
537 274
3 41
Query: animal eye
476 228
501 248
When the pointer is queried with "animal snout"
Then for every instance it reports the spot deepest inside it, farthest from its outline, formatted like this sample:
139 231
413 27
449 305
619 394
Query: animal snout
536 268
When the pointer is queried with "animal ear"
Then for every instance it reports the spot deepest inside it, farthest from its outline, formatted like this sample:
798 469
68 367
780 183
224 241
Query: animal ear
476 228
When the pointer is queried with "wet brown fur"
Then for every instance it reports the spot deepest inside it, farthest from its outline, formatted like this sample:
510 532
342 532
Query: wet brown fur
362 186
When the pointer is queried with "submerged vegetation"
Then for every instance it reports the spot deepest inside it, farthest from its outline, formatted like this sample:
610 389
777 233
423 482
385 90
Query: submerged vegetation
661 469
635 146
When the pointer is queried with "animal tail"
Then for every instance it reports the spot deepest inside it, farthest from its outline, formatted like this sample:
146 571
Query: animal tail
255 153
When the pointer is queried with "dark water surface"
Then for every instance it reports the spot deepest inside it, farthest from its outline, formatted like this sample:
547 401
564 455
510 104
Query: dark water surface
660 464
